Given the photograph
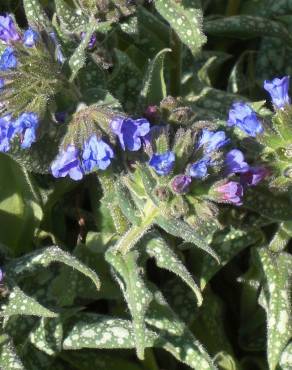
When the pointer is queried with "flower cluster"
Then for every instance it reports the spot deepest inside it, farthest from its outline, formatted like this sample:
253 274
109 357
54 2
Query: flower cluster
96 155
26 124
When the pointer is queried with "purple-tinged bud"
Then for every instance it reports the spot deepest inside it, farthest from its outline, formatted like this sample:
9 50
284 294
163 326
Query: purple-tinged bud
60 117
151 112
162 163
30 38
181 184
242 116
278 90
235 162
230 192
254 176
8 32
92 40
1 275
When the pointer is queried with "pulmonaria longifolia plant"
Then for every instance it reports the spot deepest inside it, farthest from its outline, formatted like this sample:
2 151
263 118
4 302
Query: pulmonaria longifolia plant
116 149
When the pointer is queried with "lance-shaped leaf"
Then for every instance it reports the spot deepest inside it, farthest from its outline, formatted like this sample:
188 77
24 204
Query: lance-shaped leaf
274 207
70 20
175 337
286 358
44 257
47 336
165 258
126 203
154 87
227 244
186 19
35 14
98 331
137 295
277 270
77 60
19 303
182 230
125 80
9 359
245 27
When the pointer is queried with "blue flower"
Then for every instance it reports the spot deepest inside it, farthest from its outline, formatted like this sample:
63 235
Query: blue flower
130 131
8 30
2 83
8 59
67 163
181 183
242 116
235 162
96 154
199 169
278 89
30 38
211 141
26 126
162 163
6 132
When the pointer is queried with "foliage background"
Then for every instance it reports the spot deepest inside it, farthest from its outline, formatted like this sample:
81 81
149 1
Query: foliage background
248 41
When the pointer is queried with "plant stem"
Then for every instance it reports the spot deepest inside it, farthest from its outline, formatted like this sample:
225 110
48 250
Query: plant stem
150 361
175 73
232 7
107 180
135 233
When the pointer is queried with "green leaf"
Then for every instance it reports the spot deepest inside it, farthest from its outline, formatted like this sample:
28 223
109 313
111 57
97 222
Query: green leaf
125 81
154 88
126 203
97 331
245 27
182 230
277 208
19 303
9 359
185 19
286 358
47 336
227 245
20 211
77 60
175 337
165 258
44 257
35 14
277 270
71 20
137 295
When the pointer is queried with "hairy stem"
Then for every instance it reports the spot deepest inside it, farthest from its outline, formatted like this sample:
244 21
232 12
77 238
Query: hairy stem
107 183
175 79
135 233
